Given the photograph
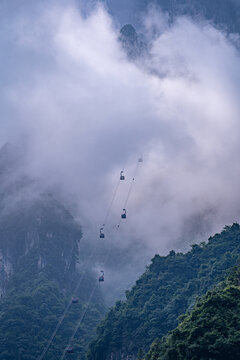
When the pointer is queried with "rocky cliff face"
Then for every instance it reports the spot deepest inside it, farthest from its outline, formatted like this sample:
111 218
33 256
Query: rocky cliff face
43 226
30 220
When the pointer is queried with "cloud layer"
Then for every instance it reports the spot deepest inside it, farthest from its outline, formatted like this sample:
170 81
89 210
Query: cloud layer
87 112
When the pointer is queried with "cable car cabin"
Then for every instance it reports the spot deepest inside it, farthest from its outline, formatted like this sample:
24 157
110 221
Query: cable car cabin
101 278
124 214
122 177
70 350
75 300
140 160
102 236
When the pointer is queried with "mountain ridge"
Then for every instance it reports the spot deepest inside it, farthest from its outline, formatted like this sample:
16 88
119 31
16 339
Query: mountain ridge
168 287
209 331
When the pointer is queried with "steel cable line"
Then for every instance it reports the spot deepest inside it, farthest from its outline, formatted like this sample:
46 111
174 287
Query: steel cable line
111 203
106 257
46 348
60 321
125 204
131 185
84 313
130 188
78 284
55 331
113 198
79 323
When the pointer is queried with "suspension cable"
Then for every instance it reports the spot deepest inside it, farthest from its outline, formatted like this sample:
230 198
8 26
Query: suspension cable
105 260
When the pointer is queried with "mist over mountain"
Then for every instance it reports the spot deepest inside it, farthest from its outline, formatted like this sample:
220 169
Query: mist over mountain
224 13
86 111
41 267
176 106
88 89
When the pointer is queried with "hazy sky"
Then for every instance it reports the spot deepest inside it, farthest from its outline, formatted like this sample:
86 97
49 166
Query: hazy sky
87 112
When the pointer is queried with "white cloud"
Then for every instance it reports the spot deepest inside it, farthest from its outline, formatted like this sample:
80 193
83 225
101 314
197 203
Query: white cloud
87 111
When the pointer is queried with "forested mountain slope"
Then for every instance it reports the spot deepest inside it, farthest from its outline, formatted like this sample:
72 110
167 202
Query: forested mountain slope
210 331
40 270
166 290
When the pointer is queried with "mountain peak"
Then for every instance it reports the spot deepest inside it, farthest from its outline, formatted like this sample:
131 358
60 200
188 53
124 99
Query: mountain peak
130 41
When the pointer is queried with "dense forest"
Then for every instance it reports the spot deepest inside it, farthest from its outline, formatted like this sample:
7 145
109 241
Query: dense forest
209 331
169 286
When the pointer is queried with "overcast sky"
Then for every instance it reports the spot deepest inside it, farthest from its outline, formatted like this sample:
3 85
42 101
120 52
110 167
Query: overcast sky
87 112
